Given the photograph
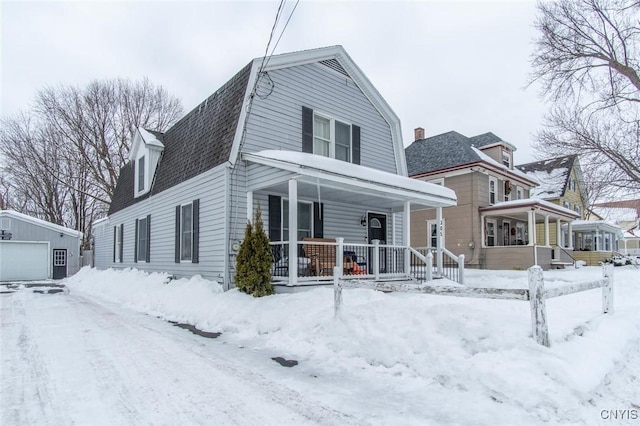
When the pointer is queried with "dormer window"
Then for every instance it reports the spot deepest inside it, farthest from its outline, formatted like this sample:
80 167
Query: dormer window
141 174
144 156
506 158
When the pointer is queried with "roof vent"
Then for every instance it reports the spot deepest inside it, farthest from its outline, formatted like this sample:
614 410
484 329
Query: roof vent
335 65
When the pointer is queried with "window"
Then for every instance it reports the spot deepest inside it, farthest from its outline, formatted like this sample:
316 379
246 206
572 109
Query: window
432 227
493 184
491 232
520 240
572 184
142 240
566 205
331 138
506 158
507 190
141 174
186 231
305 219
578 210
117 244
518 193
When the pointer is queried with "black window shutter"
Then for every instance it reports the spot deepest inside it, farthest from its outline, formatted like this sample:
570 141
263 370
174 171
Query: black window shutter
275 216
148 259
135 244
195 239
121 241
115 239
307 130
318 220
355 144
177 236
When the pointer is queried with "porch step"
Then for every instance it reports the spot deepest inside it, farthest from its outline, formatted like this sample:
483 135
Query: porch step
560 264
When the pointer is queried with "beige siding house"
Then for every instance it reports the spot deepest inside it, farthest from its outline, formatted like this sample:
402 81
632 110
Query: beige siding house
496 224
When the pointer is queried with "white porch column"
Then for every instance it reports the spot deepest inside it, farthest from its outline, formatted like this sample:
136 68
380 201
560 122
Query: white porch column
406 236
559 233
293 232
482 235
569 236
531 223
439 242
596 239
546 231
250 206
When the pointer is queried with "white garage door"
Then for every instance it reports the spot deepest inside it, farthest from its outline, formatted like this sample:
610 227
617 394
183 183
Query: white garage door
24 260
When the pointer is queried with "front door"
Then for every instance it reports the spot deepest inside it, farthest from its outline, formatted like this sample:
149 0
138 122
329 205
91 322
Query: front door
377 230
59 264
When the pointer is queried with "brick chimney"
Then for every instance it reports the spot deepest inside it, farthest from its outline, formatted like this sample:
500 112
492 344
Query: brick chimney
418 133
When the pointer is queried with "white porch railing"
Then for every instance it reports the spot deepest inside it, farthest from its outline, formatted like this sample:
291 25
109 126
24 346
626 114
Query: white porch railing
316 260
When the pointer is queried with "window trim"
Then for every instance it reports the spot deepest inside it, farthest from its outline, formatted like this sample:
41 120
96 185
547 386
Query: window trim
495 190
117 244
494 222
182 232
147 248
430 224
332 135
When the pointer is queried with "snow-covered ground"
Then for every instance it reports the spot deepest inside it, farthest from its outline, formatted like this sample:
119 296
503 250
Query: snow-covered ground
91 356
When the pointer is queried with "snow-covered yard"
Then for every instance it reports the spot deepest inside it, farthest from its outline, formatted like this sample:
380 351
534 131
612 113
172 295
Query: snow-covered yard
92 357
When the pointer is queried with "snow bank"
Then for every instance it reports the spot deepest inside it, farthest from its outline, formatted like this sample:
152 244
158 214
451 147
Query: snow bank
471 353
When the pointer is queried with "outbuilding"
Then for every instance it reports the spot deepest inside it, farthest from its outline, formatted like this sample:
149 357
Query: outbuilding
34 249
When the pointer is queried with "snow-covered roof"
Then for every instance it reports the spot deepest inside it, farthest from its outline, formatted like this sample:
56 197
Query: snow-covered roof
40 222
149 138
616 214
484 157
552 174
331 169
529 203
596 225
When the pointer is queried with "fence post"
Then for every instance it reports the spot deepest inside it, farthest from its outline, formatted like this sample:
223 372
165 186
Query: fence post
429 257
337 291
340 254
538 306
607 288
461 268
376 259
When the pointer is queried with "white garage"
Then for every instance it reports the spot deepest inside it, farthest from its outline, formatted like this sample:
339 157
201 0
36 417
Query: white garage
34 249
24 260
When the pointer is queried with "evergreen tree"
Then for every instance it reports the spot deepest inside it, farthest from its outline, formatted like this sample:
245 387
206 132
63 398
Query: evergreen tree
254 261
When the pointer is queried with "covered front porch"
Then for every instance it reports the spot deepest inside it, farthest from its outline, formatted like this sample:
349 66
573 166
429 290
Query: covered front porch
521 233
595 240
346 216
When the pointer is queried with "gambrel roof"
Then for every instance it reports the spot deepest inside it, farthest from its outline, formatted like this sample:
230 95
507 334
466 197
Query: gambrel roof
211 134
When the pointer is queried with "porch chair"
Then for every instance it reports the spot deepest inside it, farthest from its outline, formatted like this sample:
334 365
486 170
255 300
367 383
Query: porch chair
322 256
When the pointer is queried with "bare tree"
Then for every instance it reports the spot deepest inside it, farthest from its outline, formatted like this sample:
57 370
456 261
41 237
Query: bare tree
587 61
61 161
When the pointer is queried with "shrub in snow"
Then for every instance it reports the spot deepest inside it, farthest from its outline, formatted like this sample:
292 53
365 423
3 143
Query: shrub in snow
253 264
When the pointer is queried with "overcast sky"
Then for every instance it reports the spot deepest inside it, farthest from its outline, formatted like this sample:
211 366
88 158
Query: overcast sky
448 65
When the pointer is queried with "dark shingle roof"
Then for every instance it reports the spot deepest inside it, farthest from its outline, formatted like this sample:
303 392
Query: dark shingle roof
439 152
484 140
198 142
565 162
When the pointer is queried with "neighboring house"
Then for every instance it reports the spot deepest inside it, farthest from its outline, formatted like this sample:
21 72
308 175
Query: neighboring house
494 222
309 141
561 183
625 214
34 249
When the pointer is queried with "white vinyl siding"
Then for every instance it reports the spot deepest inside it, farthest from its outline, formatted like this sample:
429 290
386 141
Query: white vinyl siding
276 121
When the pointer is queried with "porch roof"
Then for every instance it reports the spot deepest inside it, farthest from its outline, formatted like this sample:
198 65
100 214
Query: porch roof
507 208
348 182
596 226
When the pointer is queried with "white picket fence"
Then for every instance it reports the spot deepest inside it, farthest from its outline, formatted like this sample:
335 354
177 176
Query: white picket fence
536 294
